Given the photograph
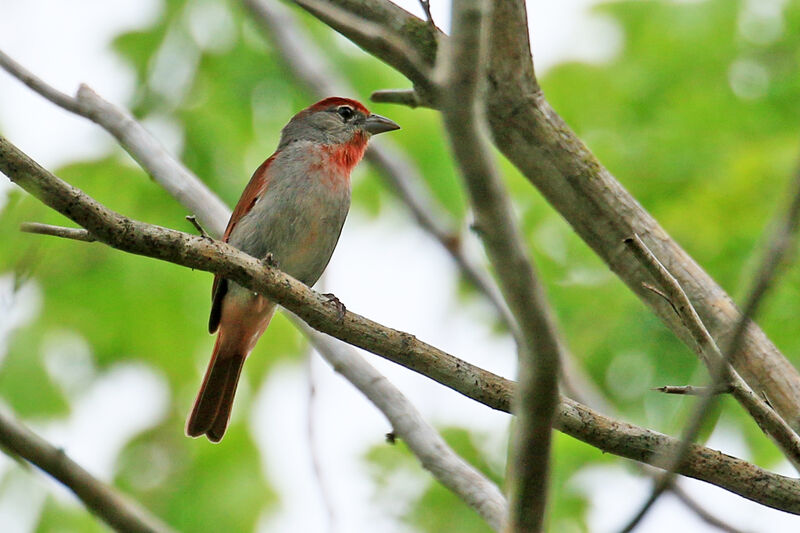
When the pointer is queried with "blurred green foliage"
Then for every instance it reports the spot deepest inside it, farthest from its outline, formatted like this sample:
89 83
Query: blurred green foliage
697 116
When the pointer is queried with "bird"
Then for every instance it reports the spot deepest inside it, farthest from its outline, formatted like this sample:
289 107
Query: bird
290 215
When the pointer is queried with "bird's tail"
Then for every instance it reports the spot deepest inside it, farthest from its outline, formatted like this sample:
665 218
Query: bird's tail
212 408
239 329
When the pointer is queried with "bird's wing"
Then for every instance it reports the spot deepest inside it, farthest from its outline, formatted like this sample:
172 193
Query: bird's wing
254 190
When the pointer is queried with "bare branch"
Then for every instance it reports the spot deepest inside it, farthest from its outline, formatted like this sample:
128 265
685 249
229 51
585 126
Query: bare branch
192 219
22 74
424 441
406 97
690 390
135 139
78 234
607 434
701 512
460 72
656 449
113 508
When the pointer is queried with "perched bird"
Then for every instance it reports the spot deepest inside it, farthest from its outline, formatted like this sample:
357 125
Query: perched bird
292 213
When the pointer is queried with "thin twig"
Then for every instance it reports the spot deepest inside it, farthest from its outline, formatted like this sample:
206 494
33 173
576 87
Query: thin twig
115 509
50 93
78 234
406 97
461 76
193 220
701 512
316 464
586 394
426 8
691 390
475 489
608 434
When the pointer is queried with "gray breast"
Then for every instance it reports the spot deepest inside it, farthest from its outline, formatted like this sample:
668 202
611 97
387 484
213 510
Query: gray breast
299 218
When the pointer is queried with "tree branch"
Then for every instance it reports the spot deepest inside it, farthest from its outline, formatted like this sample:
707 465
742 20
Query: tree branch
425 442
406 97
78 234
539 348
701 512
691 390
134 138
113 508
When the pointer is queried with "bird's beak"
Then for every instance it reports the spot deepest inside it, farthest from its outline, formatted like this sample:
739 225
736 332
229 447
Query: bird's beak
375 124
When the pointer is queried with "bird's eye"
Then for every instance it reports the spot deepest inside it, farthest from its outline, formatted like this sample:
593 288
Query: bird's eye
346 112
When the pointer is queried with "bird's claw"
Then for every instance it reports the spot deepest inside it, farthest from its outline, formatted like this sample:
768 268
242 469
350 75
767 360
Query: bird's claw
340 308
269 260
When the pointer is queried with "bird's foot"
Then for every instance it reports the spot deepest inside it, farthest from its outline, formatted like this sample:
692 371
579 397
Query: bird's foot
269 260
340 308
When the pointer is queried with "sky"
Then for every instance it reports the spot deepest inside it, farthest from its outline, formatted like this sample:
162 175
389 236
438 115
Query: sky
69 45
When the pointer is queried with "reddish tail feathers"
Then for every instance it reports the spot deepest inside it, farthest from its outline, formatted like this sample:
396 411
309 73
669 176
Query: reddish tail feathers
242 321
212 408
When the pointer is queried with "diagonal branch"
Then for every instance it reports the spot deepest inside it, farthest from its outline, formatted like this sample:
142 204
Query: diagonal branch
135 139
539 348
572 418
424 441
110 506
701 512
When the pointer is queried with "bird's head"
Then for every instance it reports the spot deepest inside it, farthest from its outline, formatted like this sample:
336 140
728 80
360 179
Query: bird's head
335 121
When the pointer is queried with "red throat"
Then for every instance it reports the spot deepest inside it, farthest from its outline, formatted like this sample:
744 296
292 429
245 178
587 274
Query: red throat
345 156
